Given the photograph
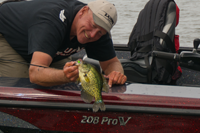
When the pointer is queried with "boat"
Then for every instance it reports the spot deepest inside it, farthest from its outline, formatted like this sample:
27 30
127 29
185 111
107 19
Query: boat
136 106
29 108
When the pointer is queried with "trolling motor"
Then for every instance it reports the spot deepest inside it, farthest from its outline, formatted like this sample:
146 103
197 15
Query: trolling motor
185 58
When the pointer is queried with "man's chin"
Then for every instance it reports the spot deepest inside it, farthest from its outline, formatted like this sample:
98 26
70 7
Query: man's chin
82 41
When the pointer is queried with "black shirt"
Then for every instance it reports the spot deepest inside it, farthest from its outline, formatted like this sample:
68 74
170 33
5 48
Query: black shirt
44 25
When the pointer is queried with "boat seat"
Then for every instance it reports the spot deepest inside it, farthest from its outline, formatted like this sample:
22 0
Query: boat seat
131 70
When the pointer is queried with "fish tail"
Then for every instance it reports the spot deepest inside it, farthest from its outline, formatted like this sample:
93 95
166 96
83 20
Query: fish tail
99 105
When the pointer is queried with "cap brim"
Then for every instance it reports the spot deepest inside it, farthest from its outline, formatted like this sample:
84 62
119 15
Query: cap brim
101 23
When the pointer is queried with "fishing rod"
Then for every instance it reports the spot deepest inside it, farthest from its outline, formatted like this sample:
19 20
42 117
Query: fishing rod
23 63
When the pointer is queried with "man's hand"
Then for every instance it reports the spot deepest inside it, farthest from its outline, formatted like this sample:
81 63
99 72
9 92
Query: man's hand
114 71
116 78
50 76
71 71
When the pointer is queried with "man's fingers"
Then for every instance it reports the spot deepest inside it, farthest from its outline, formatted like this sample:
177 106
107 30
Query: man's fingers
119 80
110 82
72 63
71 71
124 79
116 78
74 79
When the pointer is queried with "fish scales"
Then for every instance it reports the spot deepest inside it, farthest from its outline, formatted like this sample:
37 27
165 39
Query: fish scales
95 83
92 83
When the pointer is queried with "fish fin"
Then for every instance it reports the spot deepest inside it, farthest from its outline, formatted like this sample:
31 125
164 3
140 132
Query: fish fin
79 86
78 83
99 105
105 84
86 97
86 78
78 80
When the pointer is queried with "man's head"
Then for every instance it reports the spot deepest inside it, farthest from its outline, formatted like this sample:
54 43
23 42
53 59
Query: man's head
95 20
104 14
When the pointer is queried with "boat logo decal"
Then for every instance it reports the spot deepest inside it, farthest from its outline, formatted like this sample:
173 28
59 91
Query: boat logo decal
105 120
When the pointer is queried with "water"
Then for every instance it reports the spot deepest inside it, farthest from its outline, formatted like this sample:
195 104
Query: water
128 10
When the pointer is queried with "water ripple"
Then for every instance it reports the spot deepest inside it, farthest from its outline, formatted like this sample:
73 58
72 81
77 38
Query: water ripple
128 10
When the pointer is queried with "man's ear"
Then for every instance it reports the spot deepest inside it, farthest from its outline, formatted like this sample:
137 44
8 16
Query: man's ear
83 10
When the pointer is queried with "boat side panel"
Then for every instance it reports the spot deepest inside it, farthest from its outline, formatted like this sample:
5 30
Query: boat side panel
87 121
134 96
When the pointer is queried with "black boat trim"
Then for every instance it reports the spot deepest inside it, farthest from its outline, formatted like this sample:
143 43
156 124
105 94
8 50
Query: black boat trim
7 129
124 47
88 107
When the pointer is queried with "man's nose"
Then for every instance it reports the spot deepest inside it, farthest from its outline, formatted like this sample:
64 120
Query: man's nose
93 33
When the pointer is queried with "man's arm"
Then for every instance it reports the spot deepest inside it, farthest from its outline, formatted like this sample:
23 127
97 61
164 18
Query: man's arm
114 71
50 76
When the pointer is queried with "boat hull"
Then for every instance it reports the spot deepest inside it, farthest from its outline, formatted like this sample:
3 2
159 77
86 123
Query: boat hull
130 107
85 121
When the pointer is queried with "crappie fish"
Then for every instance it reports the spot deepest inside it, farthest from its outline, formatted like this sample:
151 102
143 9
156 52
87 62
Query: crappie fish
92 83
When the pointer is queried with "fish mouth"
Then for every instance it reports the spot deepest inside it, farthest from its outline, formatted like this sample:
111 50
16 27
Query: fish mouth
86 35
83 66
78 63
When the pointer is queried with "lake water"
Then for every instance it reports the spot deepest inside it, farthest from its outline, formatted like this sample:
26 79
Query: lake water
128 10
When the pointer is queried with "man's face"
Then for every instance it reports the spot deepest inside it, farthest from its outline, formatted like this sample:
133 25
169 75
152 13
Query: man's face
87 30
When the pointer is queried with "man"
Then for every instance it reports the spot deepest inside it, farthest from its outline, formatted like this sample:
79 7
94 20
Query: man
46 32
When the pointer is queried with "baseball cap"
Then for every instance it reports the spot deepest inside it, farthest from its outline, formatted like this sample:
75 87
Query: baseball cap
104 14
